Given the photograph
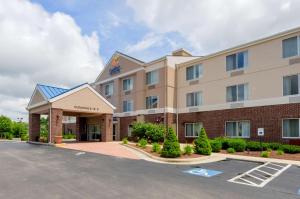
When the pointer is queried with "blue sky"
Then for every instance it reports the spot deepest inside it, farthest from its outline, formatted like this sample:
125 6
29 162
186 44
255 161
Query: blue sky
115 25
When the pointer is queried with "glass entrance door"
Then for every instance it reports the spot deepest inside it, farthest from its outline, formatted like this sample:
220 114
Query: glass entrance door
93 133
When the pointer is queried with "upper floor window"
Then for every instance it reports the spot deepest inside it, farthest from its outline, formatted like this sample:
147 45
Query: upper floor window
192 129
193 99
108 89
291 47
152 77
151 102
127 84
238 129
127 105
237 61
237 93
290 128
291 85
194 72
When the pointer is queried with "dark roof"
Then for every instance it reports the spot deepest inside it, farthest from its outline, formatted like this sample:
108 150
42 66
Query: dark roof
51 91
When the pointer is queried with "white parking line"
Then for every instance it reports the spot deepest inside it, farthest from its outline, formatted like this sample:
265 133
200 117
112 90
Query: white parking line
262 180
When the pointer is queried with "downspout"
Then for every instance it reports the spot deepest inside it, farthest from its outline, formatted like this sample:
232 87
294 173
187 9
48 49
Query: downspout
166 94
176 94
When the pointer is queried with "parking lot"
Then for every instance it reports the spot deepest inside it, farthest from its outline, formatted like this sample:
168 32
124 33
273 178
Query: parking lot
34 171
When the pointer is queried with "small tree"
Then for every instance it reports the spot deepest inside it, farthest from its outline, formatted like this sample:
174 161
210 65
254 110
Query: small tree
5 126
171 147
201 144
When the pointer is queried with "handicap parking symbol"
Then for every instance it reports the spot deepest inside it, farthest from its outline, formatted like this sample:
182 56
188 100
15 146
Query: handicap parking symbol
203 172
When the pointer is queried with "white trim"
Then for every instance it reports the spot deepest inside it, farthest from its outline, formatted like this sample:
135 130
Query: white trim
40 103
118 76
282 128
78 89
145 112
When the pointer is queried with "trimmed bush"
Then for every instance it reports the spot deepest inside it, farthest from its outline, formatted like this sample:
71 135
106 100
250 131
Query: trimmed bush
274 146
224 141
149 131
171 147
255 146
265 154
216 145
188 150
125 140
239 145
155 147
142 143
279 152
201 144
230 150
290 148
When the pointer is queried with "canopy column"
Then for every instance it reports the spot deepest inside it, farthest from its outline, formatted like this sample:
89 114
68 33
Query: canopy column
34 127
55 124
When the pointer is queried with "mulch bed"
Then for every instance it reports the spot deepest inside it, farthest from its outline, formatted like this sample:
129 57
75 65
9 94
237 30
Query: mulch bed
148 149
273 154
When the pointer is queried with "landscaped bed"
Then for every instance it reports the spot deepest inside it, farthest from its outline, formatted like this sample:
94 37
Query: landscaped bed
272 154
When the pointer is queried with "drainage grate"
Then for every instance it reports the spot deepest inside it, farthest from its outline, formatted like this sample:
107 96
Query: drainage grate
261 175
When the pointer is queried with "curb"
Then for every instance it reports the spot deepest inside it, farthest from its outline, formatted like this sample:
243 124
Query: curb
40 143
204 159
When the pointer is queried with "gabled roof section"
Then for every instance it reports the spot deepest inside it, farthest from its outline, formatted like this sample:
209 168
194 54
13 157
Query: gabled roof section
105 70
50 91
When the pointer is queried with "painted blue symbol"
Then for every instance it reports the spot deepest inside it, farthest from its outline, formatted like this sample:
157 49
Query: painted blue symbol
299 192
203 172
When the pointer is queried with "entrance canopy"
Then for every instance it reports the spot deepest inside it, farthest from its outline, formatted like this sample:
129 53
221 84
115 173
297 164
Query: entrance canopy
81 101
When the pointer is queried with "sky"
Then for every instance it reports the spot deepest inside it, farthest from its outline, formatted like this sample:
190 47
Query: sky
68 42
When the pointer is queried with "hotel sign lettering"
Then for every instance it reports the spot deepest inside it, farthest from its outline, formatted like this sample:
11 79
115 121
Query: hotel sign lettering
86 108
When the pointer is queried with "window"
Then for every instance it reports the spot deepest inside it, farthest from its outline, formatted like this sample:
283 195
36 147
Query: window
237 93
290 128
127 84
193 99
151 102
193 72
237 61
238 129
130 127
108 89
291 85
127 105
290 47
192 129
152 77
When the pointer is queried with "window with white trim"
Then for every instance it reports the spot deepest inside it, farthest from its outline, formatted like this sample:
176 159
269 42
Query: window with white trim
193 99
237 93
237 61
152 77
291 85
127 84
108 89
290 128
127 105
194 72
130 127
192 129
151 102
291 47
238 129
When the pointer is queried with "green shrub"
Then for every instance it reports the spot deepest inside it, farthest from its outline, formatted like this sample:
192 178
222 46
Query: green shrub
188 150
239 145
149 131
5 126
255 146
279 152
155 147
265 154
24 137
201 144
269 150
171 147
69 136
142 143
216 145
230 150
290 148
274 145
8 135
125 140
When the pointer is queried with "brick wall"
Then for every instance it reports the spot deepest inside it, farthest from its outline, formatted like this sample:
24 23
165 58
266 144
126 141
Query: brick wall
267 117
56 123
124 123
34 127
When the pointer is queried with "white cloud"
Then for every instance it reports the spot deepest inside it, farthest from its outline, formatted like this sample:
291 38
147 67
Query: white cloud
211 25
149 40
37 46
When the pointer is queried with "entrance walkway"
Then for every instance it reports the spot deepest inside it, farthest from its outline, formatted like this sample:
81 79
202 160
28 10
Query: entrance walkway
105 148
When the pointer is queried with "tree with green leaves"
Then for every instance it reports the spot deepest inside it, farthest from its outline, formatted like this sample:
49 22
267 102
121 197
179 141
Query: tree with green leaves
201 144
5 126
171 147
